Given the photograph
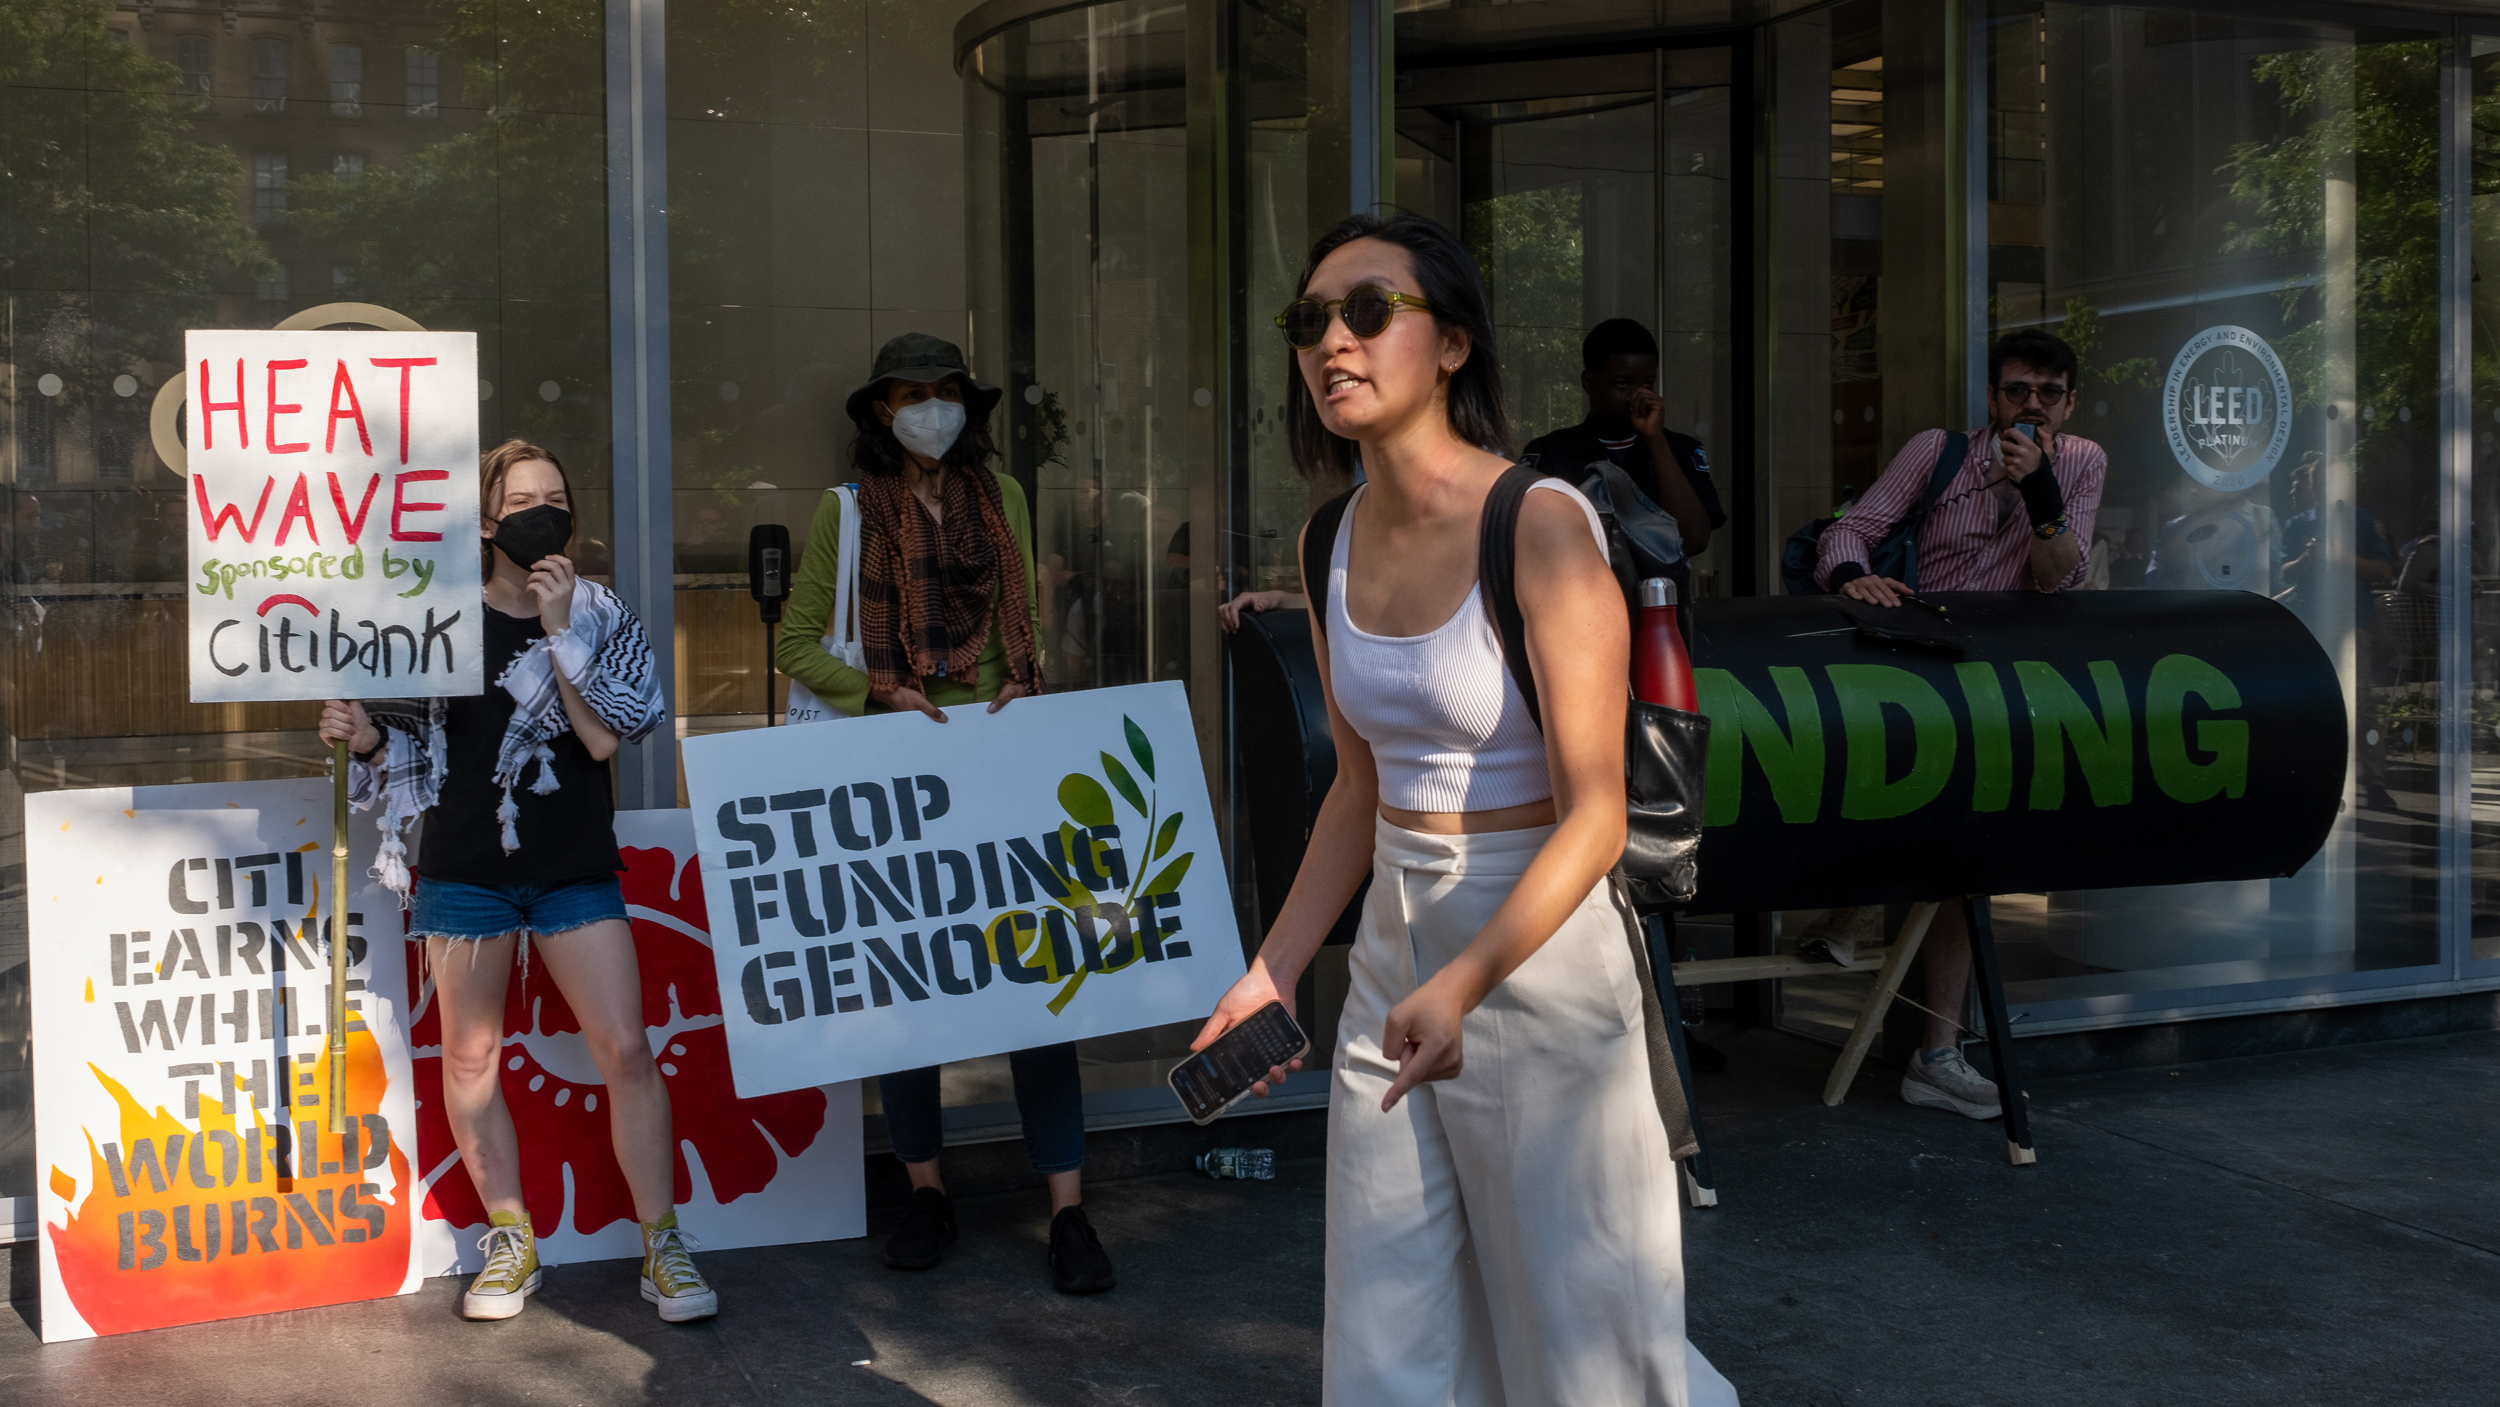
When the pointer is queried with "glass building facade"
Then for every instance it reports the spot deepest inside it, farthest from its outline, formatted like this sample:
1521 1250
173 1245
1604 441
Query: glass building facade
681 231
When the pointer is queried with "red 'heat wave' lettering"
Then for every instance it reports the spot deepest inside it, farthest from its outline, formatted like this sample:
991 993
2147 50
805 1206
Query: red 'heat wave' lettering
227 515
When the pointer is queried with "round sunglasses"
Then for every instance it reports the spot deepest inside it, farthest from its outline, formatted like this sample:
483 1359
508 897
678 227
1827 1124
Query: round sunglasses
1367 311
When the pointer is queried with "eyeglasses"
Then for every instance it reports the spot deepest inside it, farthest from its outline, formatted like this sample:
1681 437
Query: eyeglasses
1367 312
2015 393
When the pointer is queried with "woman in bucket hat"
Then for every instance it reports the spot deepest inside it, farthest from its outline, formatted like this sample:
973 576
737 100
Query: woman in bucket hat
947 615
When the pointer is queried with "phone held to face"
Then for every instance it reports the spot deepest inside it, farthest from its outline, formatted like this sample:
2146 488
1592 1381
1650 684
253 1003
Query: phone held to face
1219 1077
2027 430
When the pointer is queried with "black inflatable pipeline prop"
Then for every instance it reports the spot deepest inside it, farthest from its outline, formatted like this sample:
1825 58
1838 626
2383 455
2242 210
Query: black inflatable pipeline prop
2018 742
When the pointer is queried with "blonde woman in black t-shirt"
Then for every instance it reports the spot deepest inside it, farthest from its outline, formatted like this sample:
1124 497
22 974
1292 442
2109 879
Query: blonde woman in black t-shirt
519 850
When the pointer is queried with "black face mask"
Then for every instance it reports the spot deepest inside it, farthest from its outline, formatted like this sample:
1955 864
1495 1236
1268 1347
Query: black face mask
533 533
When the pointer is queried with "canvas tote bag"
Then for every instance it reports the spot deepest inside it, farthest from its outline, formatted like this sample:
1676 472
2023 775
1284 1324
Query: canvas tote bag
842 630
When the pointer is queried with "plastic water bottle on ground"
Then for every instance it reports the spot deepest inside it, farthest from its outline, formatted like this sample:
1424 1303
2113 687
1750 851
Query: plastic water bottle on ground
1257 1163
1688 1002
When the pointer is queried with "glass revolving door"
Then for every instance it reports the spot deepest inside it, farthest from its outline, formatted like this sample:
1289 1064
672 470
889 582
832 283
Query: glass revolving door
1080 276
1078 155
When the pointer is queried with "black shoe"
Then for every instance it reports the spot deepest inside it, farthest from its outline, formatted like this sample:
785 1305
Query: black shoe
1077 1263
1707 1059
928 1229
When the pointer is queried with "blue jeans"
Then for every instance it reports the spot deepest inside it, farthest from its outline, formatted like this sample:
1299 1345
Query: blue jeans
468 913
1049 1096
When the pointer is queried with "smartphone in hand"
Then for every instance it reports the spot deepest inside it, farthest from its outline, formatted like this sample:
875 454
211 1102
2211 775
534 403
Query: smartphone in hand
1219 1077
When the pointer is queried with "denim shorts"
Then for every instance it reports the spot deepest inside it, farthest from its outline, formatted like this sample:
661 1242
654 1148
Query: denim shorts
446 908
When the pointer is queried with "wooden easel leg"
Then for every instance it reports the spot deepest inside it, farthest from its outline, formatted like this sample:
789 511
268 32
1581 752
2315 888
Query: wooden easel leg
2000 1030
1659 929
1871 1016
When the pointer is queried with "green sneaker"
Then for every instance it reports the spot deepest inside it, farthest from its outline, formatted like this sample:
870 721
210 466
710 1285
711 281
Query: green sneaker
511 1271
669 1278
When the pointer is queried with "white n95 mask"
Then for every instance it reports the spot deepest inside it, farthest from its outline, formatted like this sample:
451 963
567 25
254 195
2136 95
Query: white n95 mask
929 428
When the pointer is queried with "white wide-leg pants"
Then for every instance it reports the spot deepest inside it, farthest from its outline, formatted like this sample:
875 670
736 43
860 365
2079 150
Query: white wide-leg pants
1511 1237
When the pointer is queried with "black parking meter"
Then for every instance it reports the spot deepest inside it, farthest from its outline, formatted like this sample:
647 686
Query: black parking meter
768 581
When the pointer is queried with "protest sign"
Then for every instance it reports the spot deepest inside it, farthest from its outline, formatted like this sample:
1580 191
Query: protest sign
768 1171
333 507
186 1167
2083 740
895 892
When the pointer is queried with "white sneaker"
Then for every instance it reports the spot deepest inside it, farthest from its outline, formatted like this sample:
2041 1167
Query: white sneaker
1948 1082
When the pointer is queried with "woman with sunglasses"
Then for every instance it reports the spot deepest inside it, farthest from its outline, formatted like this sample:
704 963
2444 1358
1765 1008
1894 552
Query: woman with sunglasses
1502 1213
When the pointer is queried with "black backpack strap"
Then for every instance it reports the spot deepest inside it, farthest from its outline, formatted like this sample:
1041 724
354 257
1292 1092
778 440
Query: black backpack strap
1497 572
1319 544
1949 461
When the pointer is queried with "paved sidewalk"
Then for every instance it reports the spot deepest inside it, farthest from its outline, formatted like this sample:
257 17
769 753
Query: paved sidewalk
2320 1227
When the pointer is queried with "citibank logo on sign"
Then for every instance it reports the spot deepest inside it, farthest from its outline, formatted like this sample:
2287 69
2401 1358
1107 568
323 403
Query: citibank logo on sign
2227 408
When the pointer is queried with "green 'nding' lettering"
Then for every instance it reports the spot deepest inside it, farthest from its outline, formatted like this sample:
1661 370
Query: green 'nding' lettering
1991 737
1791 757
2105 746
2180 777
1864 690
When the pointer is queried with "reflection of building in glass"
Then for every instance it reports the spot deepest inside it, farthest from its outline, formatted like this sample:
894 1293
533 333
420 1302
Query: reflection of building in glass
347 80
422 92
193 55
269 76
268 187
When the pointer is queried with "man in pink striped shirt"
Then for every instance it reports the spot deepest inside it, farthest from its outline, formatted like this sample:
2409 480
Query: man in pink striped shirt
2017 516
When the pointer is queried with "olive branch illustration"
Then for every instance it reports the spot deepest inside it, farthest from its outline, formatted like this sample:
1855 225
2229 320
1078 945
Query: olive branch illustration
1089 805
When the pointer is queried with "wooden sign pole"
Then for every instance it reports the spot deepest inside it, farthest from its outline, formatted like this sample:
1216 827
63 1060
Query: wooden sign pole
338 938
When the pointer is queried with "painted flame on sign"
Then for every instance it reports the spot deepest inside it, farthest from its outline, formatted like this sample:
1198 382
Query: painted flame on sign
186 1221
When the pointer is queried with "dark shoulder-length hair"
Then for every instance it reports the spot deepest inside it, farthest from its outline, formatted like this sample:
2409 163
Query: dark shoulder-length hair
874 450
1449 280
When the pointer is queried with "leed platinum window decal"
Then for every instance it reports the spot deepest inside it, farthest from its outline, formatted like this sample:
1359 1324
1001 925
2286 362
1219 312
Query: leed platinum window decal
2226 408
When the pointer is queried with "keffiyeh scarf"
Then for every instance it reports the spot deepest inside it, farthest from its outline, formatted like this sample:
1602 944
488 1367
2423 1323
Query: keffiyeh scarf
926 588
605 654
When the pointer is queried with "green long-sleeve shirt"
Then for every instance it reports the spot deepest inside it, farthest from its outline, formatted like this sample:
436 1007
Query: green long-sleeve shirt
802 655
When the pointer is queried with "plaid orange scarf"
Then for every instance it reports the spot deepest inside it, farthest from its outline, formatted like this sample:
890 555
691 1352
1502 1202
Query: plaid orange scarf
926 588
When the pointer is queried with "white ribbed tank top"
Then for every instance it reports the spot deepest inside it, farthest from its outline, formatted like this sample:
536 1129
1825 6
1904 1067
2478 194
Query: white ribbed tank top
1447 727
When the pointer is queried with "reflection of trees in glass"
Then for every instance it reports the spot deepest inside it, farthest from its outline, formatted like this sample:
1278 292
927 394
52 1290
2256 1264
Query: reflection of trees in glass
2371 115
1528 244
758 68
153 209
445 223
1047 424
2081 330
122 200
500 200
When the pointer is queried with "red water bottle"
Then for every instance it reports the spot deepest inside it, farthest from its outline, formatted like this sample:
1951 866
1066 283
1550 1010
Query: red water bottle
1662 671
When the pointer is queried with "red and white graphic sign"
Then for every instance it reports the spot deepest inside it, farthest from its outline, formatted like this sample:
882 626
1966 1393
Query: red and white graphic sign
772 1170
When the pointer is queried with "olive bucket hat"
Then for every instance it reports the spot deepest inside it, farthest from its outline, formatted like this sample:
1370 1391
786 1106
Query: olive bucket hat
917 356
